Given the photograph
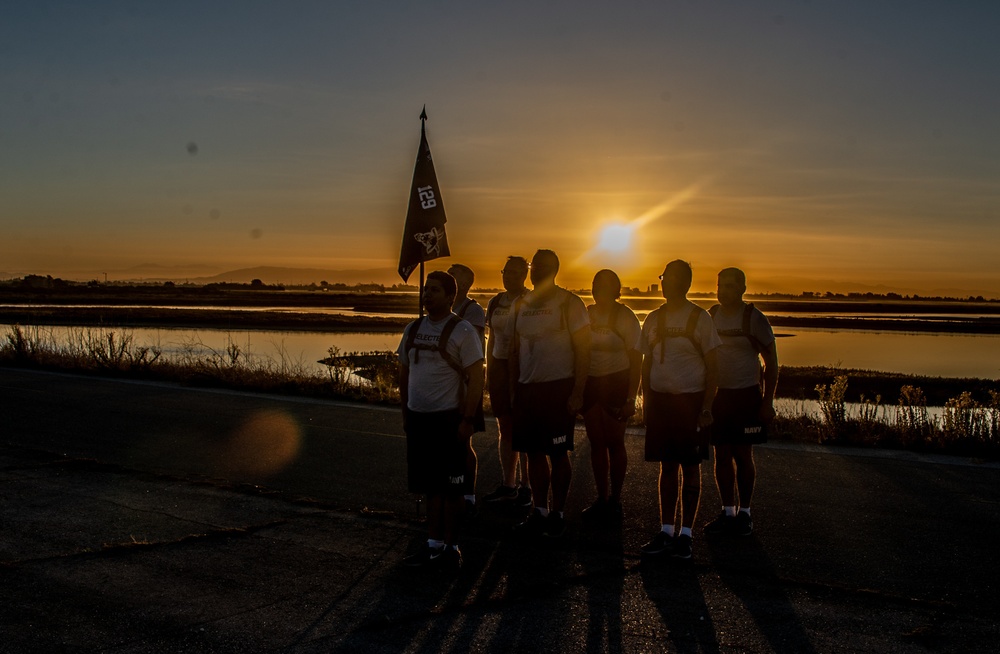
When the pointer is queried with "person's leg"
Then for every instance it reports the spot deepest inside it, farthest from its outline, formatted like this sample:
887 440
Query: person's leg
436 528
617 454
471 468
451 509
539 474
505 450
746 473
562 475
725 474
690 493
599 461
668 485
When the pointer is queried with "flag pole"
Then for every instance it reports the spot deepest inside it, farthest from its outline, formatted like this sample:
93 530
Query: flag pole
420 292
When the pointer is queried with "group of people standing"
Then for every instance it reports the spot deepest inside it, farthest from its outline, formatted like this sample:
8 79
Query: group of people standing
707 379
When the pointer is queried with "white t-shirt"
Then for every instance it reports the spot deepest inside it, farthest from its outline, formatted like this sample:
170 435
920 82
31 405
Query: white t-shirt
433 384
739 363
682 369
544 328
612 337
500 321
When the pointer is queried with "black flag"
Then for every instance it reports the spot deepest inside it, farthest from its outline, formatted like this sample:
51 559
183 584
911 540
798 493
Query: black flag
423 236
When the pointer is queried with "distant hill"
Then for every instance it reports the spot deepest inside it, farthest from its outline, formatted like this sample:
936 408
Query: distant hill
288 276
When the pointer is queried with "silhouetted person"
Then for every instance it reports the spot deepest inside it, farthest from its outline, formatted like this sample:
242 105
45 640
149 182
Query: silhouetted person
609 397
744 404
551 357
469 310
498 320
679 381
440 383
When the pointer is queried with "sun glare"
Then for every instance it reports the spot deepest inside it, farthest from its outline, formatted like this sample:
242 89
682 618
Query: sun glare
616 238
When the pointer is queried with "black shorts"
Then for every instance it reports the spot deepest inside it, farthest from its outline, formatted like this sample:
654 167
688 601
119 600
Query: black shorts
435 453
737 417
499 386
610 392
541 422
672 428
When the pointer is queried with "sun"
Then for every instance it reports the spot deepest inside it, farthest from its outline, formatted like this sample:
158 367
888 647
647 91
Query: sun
615 238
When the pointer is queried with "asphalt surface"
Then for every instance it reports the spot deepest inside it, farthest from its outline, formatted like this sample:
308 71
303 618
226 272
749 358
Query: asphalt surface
140 517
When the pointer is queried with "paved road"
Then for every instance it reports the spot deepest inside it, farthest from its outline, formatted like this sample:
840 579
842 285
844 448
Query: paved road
153 518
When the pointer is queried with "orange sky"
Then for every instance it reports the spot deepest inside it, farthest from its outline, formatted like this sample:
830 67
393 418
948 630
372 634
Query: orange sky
820 148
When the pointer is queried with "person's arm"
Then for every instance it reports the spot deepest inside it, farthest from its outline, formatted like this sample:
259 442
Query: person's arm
770 357
705 418
634 377
581 367
470 403
404 389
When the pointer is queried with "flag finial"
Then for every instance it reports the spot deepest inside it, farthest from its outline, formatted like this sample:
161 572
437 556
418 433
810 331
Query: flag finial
423 113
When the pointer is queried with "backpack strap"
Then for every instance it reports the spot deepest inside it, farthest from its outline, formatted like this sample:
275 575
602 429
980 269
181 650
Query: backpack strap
465 307
748 332
442 345
411 338
691 327
689 330
491 306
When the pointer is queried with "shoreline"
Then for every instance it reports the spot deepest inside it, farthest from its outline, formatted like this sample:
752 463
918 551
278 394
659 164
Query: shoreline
268 319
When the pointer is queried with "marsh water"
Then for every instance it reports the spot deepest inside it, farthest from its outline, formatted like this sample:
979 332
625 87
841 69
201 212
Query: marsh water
935 354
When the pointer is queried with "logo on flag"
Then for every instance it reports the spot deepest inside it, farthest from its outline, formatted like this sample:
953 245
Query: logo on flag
424 237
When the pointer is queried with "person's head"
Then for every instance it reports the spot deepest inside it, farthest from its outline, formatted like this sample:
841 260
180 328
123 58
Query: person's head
439 293
676 280
606 287
464 277
544 266
732 286
514 272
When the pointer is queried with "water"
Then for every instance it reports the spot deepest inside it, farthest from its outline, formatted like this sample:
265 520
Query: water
942 355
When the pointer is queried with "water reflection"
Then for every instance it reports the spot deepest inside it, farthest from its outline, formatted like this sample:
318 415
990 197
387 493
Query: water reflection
942 355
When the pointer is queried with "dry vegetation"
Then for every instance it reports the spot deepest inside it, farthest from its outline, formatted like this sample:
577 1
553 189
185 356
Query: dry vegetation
966 425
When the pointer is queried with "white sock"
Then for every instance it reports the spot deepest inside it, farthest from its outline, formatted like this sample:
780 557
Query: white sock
435 544
668 530
730 511
470 498
745 509
686 531
543 512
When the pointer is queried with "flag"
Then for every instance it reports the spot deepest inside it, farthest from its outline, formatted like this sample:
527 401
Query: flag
423 235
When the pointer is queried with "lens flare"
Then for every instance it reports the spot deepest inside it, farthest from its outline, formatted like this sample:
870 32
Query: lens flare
265 444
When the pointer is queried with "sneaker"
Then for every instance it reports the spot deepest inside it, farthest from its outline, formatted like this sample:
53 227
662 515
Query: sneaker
723 524
555 525
597 512
450 560
661 544
682 547
423 558
523 496
742 524
502 494
533 526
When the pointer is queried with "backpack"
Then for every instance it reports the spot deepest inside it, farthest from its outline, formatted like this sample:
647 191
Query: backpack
440 347
744 330
662 334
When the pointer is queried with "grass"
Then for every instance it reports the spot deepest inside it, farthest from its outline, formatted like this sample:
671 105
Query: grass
890 410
